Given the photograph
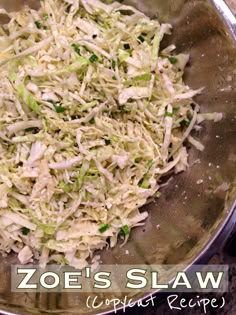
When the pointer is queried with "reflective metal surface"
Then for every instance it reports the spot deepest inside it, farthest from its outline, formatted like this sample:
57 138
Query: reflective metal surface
190 215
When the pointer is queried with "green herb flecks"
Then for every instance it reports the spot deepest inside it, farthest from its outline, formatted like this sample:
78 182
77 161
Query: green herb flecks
92 121
25 231
76 49
127 46
29 129
141 38
125 230
172 60
113 64
50 101
40 26
169 114
104 228
93 58
59 109
107 141
185 123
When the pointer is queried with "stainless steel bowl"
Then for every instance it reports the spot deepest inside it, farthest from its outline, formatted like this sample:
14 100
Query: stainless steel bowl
190 216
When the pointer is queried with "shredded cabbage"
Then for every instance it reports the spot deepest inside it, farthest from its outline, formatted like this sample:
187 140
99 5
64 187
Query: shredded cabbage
92 115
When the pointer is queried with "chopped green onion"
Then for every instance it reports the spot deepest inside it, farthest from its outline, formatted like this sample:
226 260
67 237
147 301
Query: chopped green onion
93 58
184 123
120 1
114 77
141 38
168 114
124 230
25 231
104 228
29 129
59 109
38 24
50 101
126 46
113 64
92 121
76 49
107 141
173 60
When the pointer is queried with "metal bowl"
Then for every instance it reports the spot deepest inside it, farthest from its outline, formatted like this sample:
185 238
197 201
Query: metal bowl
191 215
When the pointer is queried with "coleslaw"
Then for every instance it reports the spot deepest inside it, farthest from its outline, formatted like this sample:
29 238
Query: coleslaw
92 115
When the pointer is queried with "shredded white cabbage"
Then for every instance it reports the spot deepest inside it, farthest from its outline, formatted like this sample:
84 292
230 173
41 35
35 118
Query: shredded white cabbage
92 115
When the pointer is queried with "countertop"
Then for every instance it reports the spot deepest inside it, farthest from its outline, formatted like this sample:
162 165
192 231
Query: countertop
232 5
